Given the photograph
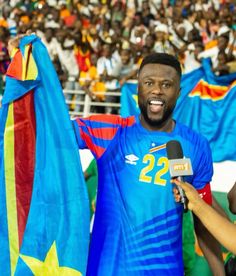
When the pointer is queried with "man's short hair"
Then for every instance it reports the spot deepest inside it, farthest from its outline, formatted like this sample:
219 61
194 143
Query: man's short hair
162 58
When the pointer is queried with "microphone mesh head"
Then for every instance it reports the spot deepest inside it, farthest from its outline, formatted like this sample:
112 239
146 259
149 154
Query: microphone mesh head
174 150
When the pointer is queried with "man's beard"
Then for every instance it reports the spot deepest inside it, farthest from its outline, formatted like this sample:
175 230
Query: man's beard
159 121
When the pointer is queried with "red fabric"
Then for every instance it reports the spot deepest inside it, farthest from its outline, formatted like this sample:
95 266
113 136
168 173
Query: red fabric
15 68
70 20
109 134
97 150
83 60
85 23
206 194
24 139
209 91
113 119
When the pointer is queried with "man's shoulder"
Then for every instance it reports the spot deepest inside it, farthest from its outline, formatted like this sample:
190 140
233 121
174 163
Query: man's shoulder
190 133
110 119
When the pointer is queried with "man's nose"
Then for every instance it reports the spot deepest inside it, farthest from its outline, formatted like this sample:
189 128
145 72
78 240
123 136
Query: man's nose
157 89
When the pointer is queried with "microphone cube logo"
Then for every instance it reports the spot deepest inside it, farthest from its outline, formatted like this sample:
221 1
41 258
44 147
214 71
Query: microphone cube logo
180 167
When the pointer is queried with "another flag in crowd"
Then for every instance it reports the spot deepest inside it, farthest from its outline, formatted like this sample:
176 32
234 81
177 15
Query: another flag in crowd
207 104
44 210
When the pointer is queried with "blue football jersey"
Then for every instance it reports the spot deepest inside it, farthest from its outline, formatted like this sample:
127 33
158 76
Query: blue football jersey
138 225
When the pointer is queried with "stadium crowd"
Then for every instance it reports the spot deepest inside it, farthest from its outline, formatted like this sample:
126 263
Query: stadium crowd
98 45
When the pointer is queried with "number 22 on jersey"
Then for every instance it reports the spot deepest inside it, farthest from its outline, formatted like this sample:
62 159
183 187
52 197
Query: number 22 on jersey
160 165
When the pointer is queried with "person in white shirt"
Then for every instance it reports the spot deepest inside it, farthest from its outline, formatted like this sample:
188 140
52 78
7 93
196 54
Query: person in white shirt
65 52
191 60
222 44
105 68
50 42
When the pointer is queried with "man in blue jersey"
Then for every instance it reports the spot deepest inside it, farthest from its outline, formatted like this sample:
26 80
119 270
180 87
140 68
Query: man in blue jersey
138 225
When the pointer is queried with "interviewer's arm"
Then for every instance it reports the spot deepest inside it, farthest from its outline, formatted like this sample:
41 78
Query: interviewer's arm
222 229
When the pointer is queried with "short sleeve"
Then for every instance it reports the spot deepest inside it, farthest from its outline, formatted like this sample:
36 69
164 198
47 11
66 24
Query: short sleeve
97 132
203 167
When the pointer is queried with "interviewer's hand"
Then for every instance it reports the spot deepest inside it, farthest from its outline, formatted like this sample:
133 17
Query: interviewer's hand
194 199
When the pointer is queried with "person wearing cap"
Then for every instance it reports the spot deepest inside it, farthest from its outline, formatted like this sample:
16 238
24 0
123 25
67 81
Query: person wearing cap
162 44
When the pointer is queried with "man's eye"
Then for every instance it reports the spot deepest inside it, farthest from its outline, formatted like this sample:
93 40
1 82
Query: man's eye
166 85
148 83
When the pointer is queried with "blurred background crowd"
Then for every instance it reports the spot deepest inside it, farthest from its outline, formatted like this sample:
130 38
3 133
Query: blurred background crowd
98 45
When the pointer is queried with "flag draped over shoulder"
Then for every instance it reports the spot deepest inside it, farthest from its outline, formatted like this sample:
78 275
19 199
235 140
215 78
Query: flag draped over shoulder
207 104
44 210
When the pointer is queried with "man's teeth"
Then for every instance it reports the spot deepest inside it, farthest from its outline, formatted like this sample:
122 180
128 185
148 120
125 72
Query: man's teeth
156 102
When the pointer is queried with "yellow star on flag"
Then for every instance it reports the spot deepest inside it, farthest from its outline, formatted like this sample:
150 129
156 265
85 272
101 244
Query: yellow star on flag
50 266
135 97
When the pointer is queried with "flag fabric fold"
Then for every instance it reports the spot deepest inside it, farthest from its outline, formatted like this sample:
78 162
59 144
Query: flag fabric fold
44 210
129 100
206 104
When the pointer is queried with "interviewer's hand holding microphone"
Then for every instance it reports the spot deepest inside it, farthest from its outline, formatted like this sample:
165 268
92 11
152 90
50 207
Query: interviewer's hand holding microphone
194 201
190 198
179 166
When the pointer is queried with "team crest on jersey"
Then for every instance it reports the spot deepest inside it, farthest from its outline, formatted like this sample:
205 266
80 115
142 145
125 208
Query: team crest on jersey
131 159
154 147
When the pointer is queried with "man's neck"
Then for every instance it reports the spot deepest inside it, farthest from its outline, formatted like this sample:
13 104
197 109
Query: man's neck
167 126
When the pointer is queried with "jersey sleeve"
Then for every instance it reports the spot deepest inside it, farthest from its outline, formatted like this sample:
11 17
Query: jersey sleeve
203 171
98 131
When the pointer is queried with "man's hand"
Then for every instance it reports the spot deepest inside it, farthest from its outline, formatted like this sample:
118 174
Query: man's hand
15 41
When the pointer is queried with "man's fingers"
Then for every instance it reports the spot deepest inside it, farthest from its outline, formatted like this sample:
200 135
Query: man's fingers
176 194
14 42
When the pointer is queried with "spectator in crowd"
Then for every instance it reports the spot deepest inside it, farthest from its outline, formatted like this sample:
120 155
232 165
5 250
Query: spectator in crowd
105 68
4 56
139 30
66 56
162 44
125 69
146 13
50 42
7 21
221 68
92 85
94 40
118 12
150 43
175 25
222 45
82 52
191 57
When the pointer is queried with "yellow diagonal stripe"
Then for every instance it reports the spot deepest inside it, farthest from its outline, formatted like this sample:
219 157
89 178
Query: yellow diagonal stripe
9 163
29 70
157 148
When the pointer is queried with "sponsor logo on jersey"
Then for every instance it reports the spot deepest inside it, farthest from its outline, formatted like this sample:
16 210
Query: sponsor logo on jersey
131 159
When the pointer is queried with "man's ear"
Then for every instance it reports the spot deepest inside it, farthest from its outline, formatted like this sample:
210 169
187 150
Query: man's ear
179 92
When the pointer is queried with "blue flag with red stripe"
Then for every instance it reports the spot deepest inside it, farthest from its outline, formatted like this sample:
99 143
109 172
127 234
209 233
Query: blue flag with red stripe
207 104
44 209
